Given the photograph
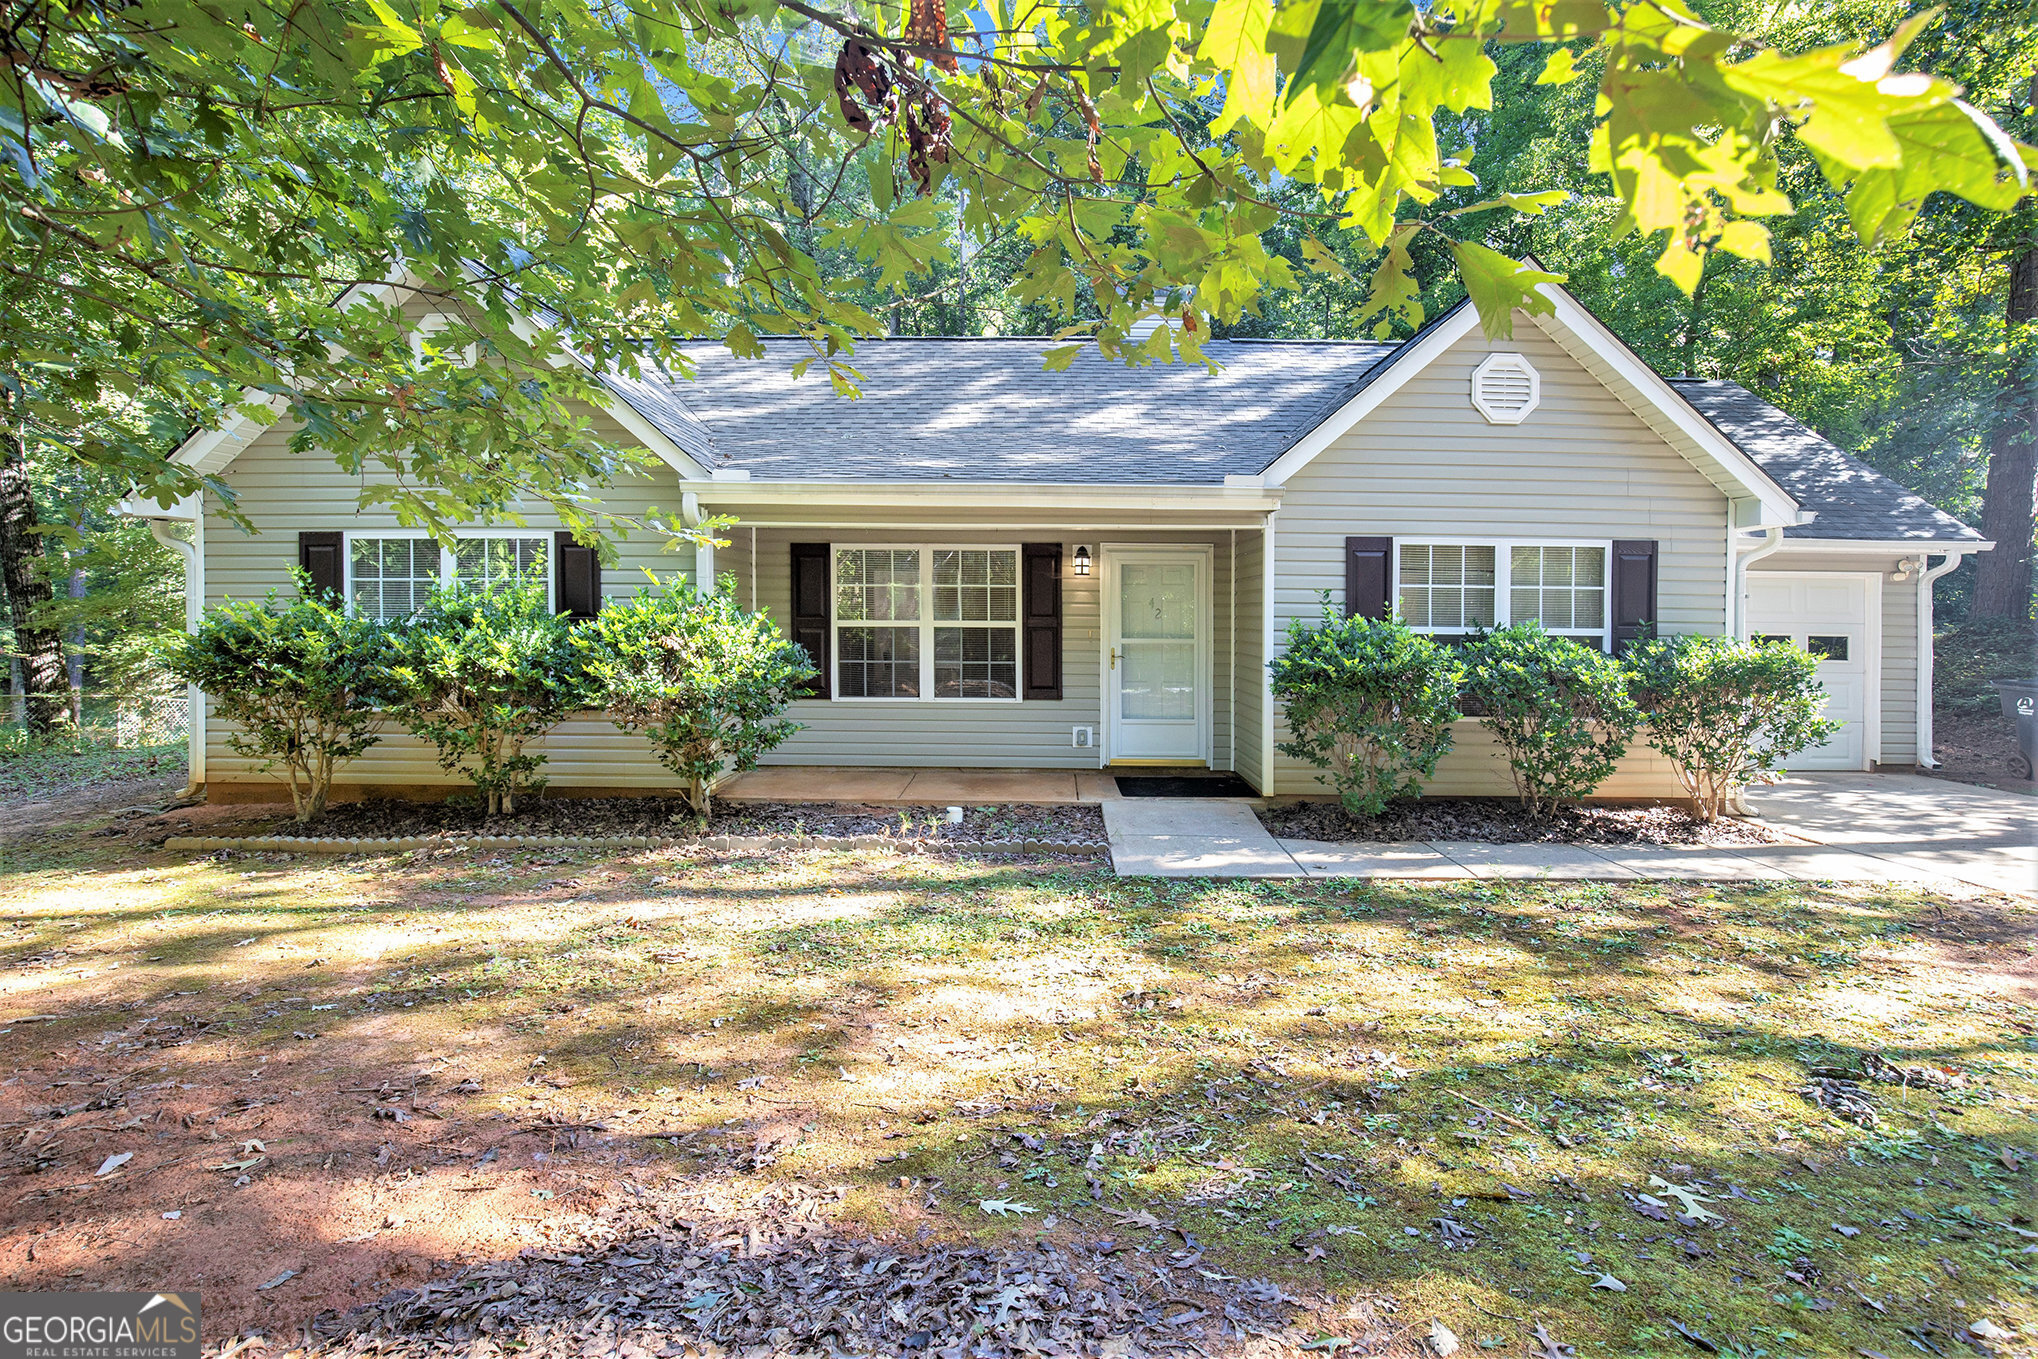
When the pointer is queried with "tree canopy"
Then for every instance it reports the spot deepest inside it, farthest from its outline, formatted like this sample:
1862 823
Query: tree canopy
192 188
201 199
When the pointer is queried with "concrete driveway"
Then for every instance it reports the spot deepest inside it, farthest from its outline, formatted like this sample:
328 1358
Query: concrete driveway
1927 827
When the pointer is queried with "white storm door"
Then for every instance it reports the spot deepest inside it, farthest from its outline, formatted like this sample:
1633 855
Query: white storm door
1834 617
1157 655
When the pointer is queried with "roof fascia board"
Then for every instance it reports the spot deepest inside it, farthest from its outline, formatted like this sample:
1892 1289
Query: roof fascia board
1666 400
1402 365
988 494
1895 546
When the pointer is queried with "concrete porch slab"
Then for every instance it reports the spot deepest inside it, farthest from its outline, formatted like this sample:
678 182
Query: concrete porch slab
991 786
809 783
1398 859
1529 861
916 787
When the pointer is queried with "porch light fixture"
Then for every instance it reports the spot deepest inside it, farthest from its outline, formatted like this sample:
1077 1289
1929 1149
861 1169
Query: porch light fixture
1082 560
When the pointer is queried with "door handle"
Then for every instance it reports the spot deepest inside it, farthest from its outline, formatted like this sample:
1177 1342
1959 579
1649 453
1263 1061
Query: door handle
1114 658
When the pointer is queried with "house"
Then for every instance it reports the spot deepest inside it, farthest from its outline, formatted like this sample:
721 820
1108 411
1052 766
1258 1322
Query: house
995 565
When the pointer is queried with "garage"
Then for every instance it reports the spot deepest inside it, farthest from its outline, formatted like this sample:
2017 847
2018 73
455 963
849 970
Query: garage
1835 615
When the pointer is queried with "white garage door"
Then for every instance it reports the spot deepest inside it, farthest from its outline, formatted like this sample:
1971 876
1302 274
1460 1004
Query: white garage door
1834 618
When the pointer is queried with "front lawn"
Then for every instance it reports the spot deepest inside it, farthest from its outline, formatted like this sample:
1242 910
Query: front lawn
1490 1107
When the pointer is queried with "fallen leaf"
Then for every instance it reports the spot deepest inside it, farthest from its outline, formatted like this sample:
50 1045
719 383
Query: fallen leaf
1442 1339
1611 1284
1693 1336
285 1277
1006 1207
1849 1232
1988 1330
115 1162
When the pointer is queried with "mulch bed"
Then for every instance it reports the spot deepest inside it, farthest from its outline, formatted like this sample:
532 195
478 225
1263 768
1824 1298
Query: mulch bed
643 816
1499 821
711 1274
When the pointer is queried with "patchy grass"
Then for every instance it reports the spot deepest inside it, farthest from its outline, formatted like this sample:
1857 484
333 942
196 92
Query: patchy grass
1484 1104
53 766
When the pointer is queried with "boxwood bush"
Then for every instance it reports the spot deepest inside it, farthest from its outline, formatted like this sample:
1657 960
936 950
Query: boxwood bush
705 682
480 673
1369 700
301 681
1560 710
1724 711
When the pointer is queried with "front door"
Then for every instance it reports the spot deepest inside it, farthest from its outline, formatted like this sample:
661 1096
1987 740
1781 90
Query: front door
1157 656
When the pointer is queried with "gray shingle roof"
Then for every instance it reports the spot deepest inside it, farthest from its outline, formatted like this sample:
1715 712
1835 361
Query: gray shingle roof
987 410
1852 499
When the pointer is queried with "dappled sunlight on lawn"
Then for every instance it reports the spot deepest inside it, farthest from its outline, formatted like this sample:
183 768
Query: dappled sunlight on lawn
1466 1102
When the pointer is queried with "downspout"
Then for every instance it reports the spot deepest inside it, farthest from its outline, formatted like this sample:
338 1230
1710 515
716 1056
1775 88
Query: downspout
1925 653
1772 539
704 551
194 721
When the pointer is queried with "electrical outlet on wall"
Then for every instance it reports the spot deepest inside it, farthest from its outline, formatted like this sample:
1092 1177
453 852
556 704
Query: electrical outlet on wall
1083 737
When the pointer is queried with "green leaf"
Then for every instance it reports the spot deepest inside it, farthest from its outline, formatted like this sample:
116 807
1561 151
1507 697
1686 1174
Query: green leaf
1342 29
1953 147
1235 42
1560 69
1499 286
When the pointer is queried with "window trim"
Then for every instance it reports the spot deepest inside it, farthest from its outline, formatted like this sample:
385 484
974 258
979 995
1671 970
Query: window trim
926 623
446 561
1503 572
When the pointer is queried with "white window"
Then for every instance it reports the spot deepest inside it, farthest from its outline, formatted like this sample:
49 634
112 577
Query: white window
389 576
1456 587
926 622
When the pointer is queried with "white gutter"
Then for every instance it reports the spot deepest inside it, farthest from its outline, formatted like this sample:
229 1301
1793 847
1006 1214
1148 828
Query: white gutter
194 604
1772 539
1926 652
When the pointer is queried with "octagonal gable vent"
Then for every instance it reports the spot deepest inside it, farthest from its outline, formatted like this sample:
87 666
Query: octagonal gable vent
1505 388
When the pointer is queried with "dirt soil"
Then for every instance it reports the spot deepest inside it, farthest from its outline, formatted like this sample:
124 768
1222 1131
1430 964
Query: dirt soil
883 1103
1066 823
1503 822
1979 748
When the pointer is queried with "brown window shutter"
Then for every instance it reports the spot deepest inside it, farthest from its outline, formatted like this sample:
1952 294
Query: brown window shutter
811 610
1634 589
1040 618
1368 577
322 556
577 571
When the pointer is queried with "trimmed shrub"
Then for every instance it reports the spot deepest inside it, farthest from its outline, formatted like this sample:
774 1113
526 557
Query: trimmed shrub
1371 701
481 673
301 681
1560 710
705 682
1724 711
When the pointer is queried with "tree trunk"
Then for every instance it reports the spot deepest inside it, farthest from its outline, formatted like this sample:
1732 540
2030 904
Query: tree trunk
2002 589
39 646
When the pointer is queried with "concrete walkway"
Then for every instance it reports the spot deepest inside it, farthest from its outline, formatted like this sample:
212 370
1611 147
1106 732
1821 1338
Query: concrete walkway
1852 828
1920 827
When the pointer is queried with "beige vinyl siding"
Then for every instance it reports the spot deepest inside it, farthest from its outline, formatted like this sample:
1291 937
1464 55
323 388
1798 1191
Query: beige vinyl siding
1031 734
284 492
1249 689
1583 465
1899 676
